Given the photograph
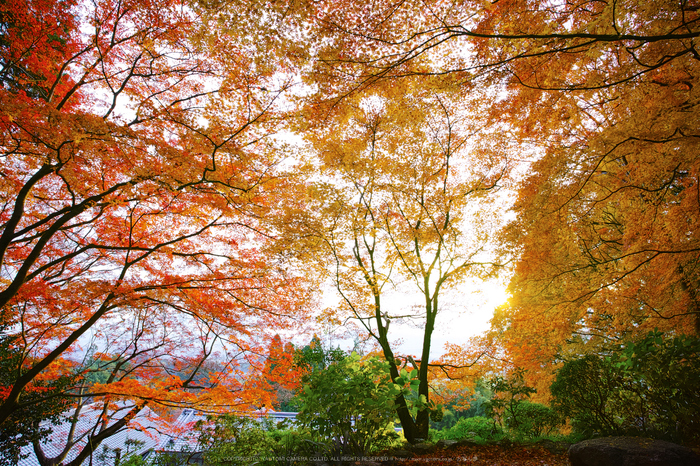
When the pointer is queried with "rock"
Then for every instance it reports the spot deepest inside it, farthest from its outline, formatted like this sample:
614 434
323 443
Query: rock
631 451
446 443
422 447
468 443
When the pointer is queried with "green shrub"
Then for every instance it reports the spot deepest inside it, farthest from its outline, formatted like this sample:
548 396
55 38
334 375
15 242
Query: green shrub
587 390
232 441
510 407
648 388
472 427
532 419
508 393
349 405
292 443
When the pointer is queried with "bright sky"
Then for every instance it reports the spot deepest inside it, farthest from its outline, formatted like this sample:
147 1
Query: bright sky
464 312
465 309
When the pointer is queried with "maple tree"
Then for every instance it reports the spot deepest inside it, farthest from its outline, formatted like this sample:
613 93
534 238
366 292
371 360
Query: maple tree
280 373
529 44
135 168
397 174
602 99
143 202
607 218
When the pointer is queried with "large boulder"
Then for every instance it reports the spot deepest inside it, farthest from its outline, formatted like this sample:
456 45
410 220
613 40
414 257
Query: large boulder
631 451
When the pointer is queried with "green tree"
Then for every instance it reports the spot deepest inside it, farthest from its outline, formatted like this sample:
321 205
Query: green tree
645 387
509 392
584 390
314 357
234 440
350 405
511 407
45 401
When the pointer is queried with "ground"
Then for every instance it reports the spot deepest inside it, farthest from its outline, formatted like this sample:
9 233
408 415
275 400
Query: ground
479 455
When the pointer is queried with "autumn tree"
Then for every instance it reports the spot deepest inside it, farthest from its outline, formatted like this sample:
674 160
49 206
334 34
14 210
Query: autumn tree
280 373
395 209
135 166
602 100
522 44
607 218
25 425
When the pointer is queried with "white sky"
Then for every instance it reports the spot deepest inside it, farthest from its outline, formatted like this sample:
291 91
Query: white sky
464 312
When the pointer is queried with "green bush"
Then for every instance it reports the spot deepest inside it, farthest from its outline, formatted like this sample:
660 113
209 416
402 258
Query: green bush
587 390
472 427
349 405
452 411
508 393
292 443
532 419
648 387
232 441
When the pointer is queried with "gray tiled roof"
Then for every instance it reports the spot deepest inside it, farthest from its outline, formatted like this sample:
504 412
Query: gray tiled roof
182 436
145 427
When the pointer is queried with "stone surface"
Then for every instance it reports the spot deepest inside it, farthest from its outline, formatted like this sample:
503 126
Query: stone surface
468 443
446 443
422 447
631 451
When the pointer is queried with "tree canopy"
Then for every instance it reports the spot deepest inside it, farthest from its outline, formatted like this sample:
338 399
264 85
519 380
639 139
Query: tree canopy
135 170
178 178
601 99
